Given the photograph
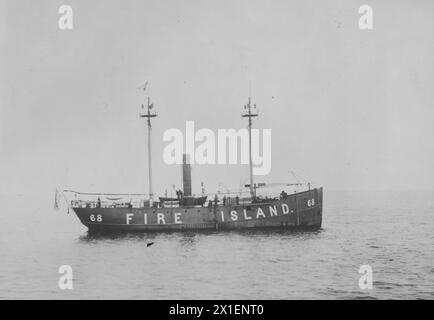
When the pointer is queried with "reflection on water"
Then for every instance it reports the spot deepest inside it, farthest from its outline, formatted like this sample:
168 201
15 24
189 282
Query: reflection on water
390 232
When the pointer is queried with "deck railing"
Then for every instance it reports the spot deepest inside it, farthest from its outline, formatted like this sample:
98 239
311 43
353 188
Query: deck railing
140 200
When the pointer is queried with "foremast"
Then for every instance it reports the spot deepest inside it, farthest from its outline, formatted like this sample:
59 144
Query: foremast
148 114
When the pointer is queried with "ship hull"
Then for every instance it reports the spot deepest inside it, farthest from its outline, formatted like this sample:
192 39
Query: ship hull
296 211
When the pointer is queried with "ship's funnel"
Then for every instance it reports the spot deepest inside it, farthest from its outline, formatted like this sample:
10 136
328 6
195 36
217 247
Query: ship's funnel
186 175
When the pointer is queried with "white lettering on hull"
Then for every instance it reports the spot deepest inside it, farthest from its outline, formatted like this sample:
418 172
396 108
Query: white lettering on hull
129 217
177 217
246 217
160 218
233 215
273 211
260 213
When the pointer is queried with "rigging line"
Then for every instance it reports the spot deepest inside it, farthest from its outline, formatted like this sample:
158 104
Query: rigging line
106 194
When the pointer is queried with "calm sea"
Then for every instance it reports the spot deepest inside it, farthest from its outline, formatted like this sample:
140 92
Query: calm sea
393 232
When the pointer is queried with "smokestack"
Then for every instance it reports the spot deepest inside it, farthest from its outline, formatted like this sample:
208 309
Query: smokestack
186 175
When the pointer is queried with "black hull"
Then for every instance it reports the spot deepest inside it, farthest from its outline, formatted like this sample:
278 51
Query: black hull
300 211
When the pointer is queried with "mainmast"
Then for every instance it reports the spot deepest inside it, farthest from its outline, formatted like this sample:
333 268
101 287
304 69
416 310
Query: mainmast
249 113
148 114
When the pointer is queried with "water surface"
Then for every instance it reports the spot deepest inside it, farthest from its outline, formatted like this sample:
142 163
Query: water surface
393 232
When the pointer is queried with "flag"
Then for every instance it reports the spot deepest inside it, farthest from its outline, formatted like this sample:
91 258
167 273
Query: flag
144 86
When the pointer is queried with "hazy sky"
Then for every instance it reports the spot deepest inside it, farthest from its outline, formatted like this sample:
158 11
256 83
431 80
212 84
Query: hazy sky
348 109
